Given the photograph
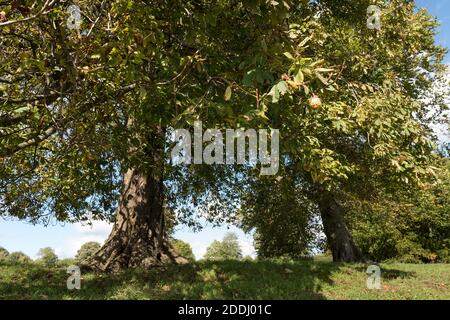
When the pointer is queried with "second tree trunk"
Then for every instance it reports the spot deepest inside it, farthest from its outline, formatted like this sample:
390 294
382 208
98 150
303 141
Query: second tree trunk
338 236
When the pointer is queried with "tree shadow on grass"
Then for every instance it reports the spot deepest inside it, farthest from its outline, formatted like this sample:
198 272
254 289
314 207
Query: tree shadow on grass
258 280
202 280
391 274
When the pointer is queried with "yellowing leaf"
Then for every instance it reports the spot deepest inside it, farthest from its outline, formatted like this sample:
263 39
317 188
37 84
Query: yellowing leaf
299 77
324 70
227 95
321 78
289 56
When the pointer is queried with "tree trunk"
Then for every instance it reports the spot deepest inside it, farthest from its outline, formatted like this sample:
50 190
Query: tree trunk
138 238
338 236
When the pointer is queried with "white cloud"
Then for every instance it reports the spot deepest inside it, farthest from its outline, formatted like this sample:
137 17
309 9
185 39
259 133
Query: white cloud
199 248
247 247
100 228
98 232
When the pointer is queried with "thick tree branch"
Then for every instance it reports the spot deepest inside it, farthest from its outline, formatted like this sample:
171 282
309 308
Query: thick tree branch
8 120
43 11
49 98
41 137
9 151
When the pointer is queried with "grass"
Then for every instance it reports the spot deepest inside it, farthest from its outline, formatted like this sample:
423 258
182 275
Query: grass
318 279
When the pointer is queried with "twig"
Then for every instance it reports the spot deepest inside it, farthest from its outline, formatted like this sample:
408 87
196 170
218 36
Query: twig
47 4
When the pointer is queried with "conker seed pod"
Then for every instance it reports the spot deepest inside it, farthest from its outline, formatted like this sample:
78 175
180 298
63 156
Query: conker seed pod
315 102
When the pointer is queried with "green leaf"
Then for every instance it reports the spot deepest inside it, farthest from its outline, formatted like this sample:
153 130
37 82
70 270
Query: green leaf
331 88
283 87
22 109
289 56
304 41
321 78
307 91
275 93
264 45
324 70
249 78
299 77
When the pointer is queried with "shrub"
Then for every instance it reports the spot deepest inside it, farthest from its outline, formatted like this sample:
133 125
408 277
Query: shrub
86 252
184 249
410 227
3 254
47 257
19 258
66 262
227 249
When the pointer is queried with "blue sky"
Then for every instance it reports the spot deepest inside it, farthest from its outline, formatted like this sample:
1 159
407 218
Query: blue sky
66 239
441 10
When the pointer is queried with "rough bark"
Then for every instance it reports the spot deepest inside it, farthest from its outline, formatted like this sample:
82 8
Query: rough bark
138 238
338 236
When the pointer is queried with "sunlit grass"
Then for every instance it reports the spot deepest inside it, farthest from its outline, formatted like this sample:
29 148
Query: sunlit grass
275 279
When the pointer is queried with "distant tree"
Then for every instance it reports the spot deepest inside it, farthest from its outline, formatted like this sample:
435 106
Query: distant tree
67 262
19 257
47 256
87 251
410 226
227 249
3 254
285 223
213 252
184 249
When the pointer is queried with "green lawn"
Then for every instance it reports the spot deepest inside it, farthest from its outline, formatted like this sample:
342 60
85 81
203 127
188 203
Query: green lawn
319 279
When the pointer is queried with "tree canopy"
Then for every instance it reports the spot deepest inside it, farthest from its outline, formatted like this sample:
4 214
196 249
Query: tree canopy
227 249
47 256
87 252
85 115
